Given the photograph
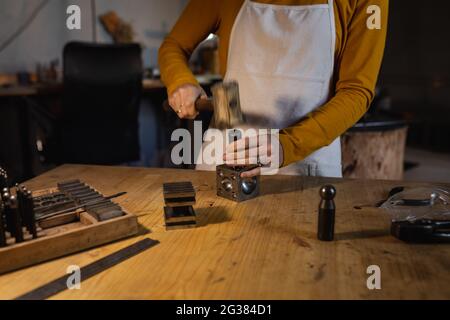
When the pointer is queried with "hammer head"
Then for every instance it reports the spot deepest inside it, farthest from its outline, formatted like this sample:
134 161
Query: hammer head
227 106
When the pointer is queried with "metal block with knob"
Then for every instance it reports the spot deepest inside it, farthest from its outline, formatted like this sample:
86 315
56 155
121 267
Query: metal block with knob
231 186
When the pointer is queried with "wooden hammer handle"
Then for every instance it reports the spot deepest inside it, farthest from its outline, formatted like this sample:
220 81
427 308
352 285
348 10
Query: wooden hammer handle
201 105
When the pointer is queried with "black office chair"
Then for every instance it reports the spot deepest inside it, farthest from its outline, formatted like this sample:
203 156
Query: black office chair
102 91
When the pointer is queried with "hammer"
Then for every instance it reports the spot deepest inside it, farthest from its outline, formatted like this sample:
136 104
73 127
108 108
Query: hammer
225 105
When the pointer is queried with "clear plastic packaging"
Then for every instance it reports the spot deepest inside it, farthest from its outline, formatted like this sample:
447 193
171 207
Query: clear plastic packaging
413 204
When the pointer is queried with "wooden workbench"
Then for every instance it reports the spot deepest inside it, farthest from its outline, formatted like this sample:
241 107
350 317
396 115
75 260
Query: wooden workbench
265 248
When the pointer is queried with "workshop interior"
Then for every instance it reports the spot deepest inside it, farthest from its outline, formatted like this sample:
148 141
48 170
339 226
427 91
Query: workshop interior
96 97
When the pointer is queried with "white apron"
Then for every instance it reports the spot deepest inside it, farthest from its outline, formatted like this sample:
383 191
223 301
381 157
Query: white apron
283 59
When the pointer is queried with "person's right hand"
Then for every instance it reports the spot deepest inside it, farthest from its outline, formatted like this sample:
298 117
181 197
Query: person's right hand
182 100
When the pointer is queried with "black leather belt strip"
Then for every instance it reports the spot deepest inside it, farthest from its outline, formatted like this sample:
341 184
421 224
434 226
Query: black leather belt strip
90 270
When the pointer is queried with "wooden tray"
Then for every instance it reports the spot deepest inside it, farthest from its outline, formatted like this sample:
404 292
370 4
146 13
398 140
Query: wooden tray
65 234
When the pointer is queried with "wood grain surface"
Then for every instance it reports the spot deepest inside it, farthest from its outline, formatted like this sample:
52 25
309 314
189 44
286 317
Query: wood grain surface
265 248
374 154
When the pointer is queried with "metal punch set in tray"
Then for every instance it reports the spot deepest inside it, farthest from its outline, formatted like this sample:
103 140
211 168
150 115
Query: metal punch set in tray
45 224
99 206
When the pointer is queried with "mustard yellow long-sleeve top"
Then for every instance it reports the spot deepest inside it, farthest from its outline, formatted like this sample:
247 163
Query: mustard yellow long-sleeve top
358 56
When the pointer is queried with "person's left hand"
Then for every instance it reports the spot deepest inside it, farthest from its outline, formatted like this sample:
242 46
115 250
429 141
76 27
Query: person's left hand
263 150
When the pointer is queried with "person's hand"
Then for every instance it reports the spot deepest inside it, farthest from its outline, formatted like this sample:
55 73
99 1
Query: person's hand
263 150
182 100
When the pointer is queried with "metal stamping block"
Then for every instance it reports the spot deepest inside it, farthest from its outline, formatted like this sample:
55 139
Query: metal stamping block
231 186
101 204
68 183
107 211
80 187
83 192
111 214
71 186
179 194
89 198
180 217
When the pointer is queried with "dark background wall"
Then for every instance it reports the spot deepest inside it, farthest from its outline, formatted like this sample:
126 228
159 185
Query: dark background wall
45 37
416 69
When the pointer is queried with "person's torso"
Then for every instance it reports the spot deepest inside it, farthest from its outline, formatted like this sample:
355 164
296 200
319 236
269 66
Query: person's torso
282 56
343 9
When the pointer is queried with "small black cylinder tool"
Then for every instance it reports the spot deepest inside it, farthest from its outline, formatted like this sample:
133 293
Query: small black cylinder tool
6 211
29 213
325 226
25 207
2 226
21 203
14 219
